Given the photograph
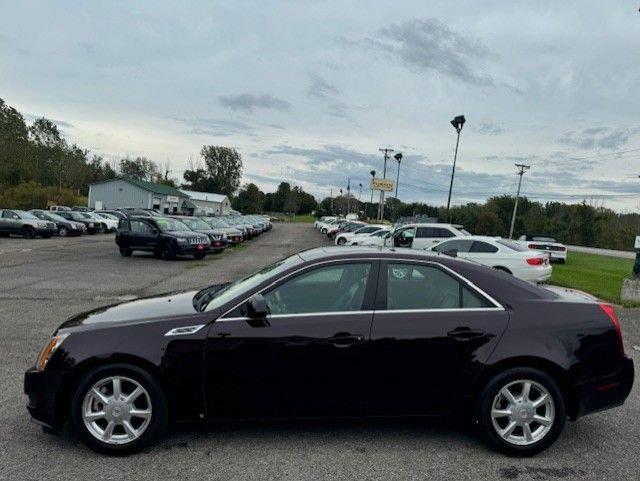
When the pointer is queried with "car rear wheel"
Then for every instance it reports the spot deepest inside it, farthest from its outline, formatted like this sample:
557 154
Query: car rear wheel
28 233
125 251
118 409
521 411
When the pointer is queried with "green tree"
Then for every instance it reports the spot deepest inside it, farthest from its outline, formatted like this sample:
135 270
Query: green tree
139 168
250 199
221 173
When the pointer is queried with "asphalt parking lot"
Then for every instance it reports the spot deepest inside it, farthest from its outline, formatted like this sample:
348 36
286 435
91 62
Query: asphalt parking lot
42 282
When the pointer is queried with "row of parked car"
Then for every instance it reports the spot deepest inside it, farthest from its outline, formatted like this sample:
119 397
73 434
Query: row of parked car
62 222
168 236
528 258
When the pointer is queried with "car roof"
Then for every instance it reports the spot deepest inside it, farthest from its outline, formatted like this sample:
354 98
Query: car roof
432 224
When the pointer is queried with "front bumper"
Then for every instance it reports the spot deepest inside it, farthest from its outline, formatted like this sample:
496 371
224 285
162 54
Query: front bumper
217 245
45 391
46 231
193 248
604 392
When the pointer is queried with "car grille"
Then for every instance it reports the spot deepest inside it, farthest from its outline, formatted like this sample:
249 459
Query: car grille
196 240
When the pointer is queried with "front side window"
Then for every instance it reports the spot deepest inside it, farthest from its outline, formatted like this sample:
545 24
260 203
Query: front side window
335 288
415 286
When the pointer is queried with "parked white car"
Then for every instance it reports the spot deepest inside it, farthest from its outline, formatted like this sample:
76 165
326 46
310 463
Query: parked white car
545 243
110 222
326 225
376 238
502 254
323 219
423 236
343 237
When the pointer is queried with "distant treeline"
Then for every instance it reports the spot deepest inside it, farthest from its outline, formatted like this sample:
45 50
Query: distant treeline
579 224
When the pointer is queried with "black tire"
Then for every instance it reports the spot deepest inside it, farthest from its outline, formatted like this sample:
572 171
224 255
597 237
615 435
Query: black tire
125 251
199 255
159 410
28 233
102 229
63 232
167 252
484 405
342 241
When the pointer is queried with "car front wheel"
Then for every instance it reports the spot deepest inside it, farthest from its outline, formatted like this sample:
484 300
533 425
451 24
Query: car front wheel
342 241
118 409
63 232
125 251
28 233
521 411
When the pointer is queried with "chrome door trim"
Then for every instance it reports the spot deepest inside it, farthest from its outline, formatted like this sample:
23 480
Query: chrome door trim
496 305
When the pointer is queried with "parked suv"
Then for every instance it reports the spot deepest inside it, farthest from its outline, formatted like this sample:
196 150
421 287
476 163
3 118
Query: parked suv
65 227
91 225
164 236
23 223
234 236
423 236
217 238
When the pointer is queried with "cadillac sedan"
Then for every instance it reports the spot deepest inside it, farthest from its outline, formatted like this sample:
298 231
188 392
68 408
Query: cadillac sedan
337 332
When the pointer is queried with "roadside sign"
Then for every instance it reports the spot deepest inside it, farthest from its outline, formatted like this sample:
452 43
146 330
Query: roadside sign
382 184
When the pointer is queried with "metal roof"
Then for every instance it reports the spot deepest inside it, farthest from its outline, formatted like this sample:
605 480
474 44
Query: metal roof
150 186
205 196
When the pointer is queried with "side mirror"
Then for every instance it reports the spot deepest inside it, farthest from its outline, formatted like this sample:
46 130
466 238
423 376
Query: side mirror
256 306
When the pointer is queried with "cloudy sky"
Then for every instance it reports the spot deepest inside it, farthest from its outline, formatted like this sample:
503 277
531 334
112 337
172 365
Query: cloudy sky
309 91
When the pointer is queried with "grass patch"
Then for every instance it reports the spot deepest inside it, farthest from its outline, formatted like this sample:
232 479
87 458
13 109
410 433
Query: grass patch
600 276
308 218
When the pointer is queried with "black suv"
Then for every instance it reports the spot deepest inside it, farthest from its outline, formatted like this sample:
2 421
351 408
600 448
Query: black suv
163 236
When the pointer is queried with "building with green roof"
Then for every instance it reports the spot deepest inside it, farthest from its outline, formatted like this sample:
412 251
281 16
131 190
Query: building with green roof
123 192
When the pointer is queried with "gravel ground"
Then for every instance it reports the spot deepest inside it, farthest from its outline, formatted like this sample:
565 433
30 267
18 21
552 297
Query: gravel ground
45 281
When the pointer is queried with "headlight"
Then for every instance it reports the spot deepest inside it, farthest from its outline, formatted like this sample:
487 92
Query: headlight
49 349
182 240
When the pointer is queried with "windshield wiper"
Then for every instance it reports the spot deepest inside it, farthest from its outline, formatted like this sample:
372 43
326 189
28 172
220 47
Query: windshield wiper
202 298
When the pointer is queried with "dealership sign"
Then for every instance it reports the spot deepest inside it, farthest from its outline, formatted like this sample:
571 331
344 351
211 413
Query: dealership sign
172 198
382 184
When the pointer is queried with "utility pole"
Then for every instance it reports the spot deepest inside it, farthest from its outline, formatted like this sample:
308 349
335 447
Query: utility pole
521 170
457 123
373 177
359 195
349 195
384 176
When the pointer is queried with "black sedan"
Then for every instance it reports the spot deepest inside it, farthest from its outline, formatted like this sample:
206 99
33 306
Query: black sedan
337 332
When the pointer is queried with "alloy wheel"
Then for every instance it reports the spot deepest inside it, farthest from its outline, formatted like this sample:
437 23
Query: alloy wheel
523 412
116 410
63 232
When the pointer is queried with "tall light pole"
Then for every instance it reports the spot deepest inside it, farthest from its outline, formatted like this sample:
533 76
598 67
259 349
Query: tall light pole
521 170
384 176
359 195
373 176
457 123
349 195
398 157
331 195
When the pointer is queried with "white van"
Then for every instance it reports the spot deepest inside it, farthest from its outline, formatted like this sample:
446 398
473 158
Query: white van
423 236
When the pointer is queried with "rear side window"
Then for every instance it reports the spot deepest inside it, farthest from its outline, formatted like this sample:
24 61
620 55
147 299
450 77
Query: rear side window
457 245
483 247
416 286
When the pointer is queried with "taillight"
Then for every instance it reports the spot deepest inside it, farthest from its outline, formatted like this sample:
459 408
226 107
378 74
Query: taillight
611 312
535 261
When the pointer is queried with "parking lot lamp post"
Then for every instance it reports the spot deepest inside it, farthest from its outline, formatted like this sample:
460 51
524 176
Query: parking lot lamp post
457 123
398 157
373 176
359 196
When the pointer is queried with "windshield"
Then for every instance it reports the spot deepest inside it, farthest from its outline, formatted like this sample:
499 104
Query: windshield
170 225
227 294
25 215
196 224
53 216
512 245
106 216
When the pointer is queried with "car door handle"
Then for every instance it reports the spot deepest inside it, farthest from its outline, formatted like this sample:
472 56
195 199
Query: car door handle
465 333
345 340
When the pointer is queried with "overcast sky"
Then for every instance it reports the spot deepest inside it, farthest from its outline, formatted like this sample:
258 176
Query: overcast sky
309 91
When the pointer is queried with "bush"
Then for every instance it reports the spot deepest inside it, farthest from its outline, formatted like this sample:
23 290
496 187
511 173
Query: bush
32 195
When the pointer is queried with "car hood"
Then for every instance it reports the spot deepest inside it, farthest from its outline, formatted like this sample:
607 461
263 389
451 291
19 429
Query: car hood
155 307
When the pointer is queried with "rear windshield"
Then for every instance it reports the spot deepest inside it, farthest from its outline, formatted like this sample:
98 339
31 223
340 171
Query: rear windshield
512 245
542 239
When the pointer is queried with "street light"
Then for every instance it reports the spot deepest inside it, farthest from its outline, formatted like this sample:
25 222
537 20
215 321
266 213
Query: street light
373 176
457 123
398 157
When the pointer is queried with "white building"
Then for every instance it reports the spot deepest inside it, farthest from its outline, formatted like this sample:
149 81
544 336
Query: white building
208 203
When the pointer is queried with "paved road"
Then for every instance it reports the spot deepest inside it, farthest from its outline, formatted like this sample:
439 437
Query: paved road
39 288
602 252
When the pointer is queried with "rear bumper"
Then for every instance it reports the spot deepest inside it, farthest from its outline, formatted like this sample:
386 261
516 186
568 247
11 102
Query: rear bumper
604 392
43 390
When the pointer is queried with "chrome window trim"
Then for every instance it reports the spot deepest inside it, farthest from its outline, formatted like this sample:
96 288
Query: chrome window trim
496 305
184 330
